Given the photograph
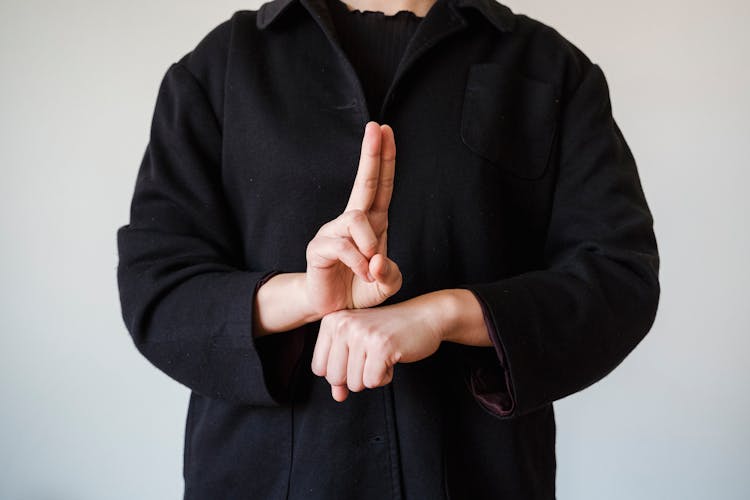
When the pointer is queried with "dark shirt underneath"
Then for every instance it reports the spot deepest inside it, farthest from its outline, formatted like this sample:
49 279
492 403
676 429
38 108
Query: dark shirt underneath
374 43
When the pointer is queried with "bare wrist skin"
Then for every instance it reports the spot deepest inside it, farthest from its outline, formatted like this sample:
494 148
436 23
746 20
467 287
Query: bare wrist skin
458 317
281 305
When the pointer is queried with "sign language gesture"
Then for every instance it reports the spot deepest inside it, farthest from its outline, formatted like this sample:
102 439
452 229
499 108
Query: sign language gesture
358 348
347 262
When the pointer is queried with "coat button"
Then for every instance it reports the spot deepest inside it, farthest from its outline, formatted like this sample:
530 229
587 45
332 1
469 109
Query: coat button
376 439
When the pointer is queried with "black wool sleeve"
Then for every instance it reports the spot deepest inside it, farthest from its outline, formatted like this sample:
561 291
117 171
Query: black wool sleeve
186 299
566 326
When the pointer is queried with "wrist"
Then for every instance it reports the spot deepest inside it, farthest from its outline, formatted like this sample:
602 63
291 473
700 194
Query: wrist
282 304
460 318
442 312
307 311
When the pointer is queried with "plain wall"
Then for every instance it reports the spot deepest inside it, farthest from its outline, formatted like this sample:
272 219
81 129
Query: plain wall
84 416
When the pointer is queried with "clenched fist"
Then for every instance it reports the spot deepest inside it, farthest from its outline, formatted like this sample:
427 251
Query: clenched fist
358 349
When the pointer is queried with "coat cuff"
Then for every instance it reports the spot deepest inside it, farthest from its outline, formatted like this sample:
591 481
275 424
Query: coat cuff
279 354
491 385
201 335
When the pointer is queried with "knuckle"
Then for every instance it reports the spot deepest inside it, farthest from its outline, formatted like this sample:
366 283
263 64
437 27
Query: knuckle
370 382
344 321
311 249
364 263
324 324
336 323
379 341
355 387
341 245
356 215
356 335
370 246
325 228
370 182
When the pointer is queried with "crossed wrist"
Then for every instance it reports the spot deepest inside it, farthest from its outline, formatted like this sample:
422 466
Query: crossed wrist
308 312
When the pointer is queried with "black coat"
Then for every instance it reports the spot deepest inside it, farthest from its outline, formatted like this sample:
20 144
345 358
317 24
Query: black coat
512 180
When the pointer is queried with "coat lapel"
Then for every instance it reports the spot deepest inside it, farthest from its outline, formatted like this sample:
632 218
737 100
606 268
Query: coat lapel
443 19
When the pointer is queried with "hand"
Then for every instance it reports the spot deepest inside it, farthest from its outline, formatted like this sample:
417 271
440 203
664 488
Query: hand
358 349
353 245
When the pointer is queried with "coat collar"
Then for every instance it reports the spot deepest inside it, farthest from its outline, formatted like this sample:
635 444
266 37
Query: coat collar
499 15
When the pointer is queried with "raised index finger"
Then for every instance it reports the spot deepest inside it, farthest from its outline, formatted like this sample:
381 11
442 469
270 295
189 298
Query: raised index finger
368 172
387 170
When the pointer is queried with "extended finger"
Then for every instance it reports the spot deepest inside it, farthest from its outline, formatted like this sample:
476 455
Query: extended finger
387 170
366 180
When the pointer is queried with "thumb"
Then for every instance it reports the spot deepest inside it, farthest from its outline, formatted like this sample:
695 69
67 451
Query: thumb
339 392
386 273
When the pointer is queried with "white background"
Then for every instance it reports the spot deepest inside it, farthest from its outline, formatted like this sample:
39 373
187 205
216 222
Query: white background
84 416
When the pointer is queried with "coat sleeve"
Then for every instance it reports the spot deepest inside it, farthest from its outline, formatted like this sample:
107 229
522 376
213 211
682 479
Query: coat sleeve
488 379
567 325
186 299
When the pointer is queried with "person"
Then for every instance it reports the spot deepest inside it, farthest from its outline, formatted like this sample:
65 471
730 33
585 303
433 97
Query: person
377 241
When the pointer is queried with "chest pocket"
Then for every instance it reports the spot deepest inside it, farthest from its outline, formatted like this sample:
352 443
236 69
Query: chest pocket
509 119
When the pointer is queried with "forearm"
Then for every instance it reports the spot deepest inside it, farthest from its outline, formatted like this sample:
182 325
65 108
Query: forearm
281 305
458 316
